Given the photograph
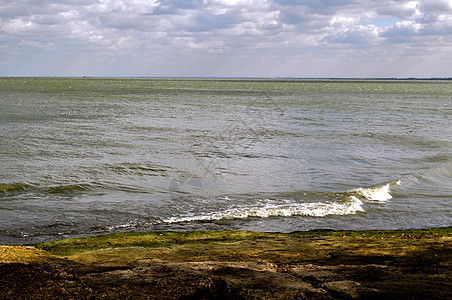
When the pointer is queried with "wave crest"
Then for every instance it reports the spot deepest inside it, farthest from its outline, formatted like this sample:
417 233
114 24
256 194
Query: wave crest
349 203
265 209
11 187
377 193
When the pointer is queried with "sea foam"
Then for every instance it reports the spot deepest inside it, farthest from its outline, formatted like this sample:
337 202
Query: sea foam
267 208
351 203
377 193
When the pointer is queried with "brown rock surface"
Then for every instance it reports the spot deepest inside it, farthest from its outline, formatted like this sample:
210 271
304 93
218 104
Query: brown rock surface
253 266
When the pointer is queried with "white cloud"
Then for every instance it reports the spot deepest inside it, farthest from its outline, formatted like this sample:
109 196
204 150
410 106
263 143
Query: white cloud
343 21
404 28
125 7
18 26
269 35
358 35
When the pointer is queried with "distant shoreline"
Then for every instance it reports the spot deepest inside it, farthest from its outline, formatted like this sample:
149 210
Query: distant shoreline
248 78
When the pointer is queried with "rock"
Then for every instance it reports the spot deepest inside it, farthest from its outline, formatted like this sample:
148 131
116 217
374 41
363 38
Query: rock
230 265
345 287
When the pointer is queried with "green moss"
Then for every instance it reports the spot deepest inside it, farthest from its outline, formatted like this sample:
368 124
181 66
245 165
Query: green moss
148 240
169 239
385 234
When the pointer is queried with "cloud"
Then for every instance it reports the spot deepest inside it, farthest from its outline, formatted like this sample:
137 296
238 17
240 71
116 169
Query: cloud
158 37
439 6
433 19
405 10
359 35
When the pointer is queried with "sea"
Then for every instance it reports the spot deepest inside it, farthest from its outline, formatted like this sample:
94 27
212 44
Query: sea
91 156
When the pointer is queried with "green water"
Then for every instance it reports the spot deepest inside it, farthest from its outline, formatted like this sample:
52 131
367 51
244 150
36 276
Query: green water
83 156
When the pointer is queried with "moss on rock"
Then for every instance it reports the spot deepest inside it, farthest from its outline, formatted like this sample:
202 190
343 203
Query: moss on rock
327 264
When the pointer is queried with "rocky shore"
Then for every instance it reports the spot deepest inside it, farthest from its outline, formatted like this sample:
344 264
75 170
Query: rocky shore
402 264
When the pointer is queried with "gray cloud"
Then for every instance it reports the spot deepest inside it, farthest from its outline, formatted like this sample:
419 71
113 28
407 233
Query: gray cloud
439 6
236 37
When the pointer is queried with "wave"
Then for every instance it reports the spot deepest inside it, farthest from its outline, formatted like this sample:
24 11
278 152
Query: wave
272 208
11 187
60 189
377 193
41 190
137 169
6 188
349 203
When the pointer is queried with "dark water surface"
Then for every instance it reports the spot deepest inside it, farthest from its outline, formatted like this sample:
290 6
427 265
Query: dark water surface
85 156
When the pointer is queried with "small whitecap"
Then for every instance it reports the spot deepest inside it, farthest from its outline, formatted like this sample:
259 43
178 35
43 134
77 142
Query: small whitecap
377 193
350 205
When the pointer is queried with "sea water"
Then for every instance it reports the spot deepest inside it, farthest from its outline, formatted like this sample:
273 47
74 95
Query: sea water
85 156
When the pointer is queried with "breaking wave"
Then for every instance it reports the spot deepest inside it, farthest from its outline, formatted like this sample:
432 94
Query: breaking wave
377 193
349 203
270 208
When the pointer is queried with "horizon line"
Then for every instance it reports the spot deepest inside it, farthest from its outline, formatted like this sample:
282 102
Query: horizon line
232 77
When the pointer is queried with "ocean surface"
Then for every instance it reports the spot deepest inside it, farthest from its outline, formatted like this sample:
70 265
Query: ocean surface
88 156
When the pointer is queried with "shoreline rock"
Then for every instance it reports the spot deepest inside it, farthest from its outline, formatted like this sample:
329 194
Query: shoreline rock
414 264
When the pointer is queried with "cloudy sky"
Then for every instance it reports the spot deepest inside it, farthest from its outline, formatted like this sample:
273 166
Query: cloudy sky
231 38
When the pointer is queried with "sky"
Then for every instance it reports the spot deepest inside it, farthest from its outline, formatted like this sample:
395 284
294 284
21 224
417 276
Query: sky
226 38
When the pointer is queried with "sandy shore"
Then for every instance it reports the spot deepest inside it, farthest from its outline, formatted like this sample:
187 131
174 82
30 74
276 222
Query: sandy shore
404 264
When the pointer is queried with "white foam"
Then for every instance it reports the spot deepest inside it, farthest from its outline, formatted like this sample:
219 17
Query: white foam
121 226
377 193
351 205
